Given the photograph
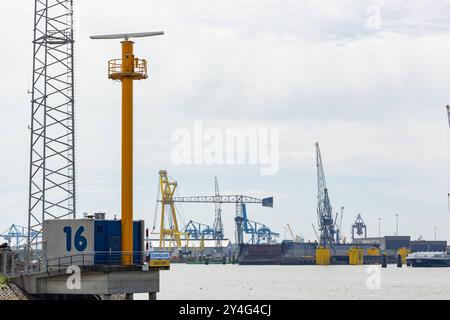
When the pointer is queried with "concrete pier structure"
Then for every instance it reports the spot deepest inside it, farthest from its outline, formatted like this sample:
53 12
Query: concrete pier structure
8 262
100 282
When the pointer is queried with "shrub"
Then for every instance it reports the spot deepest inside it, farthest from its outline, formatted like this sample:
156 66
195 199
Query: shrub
3 281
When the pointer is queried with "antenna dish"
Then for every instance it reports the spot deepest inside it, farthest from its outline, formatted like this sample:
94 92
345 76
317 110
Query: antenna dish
127 36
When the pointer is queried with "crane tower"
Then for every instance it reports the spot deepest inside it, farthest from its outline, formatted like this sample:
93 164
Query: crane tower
327 226
218 224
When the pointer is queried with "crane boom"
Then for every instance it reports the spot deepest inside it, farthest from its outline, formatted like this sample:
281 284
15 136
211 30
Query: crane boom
234 199
290 231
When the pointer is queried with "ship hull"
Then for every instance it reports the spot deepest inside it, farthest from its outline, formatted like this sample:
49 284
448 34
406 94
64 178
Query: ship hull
429 263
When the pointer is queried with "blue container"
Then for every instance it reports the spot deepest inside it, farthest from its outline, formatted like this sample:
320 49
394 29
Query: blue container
108 240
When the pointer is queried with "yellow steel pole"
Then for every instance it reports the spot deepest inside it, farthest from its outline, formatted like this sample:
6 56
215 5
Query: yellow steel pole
128 70
127 152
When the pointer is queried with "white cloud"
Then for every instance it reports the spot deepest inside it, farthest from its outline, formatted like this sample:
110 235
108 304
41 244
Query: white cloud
310 68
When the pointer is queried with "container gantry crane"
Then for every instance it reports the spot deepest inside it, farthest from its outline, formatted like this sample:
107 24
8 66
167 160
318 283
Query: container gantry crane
199 231
242 223
20 235
258 232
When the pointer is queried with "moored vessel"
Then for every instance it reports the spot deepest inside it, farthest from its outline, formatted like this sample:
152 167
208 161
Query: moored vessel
429 260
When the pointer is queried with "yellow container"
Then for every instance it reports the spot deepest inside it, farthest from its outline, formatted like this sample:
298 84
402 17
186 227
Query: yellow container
374 252
356 256
159 263
323 257
404 253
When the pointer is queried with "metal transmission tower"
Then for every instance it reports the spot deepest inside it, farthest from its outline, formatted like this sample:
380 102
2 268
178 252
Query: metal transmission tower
52 154
218 224
324 210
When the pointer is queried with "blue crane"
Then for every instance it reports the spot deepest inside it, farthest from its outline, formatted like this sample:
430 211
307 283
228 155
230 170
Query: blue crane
258 232
19 234
243 225
198 231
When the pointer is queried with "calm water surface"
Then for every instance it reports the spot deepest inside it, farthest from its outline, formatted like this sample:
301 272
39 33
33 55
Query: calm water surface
217 282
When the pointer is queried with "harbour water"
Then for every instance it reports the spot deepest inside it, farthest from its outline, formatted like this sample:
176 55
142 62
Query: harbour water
219 282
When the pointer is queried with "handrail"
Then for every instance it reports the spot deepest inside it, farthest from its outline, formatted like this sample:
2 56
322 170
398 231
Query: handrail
97 259
115 68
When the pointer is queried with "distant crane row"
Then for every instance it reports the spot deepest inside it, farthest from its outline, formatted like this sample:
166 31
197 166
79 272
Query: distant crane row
169 227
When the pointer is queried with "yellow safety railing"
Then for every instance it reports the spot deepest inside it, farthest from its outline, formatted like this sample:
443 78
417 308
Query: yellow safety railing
115 68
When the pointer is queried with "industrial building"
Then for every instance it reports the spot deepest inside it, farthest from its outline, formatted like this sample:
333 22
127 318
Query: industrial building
394 243
428 246
387 243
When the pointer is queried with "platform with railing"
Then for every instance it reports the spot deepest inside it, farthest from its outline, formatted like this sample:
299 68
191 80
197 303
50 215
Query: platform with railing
117 70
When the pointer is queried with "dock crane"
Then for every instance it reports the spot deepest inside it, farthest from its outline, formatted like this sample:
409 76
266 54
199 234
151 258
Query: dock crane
219 232
360 227
327 226
169 228
339 236
328 231
295 238
257 231
20 236
198 231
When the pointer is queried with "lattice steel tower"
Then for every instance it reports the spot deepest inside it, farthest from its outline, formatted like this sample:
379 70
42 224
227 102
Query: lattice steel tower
218 224
327 225
52 155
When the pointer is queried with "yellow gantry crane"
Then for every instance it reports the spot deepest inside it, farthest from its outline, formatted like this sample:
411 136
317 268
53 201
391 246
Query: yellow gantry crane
170 233
127 70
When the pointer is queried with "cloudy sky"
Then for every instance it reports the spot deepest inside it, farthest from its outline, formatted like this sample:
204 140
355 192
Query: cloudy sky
373 98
